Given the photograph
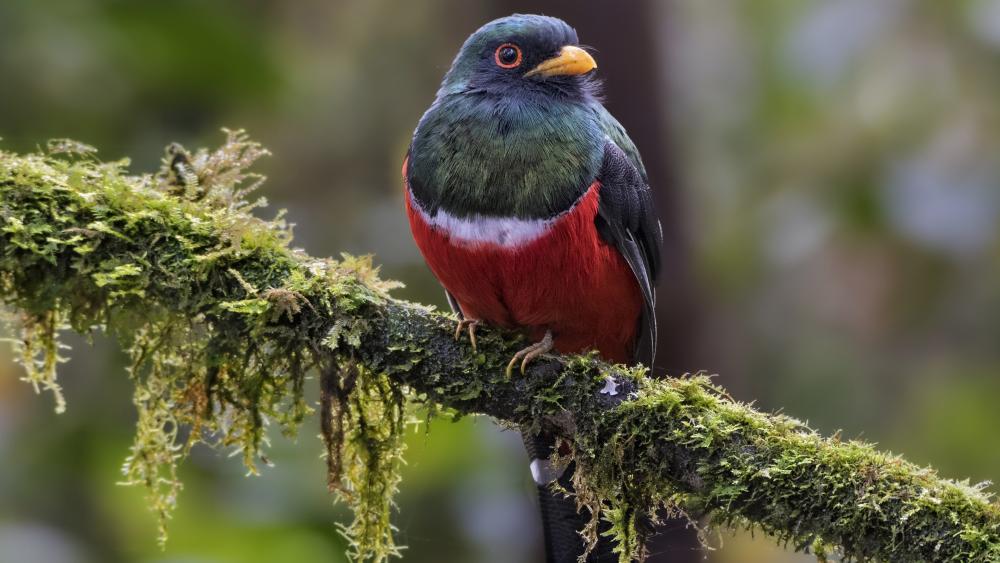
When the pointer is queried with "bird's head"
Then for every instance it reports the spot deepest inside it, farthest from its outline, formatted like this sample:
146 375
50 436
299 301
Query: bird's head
522 54
515 130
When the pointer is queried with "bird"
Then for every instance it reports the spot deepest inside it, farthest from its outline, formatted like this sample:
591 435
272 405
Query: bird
531 206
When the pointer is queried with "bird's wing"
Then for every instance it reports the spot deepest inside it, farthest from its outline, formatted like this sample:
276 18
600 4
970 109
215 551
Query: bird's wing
614 131
626 219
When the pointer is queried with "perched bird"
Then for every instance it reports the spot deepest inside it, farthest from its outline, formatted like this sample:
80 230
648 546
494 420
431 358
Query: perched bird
530 205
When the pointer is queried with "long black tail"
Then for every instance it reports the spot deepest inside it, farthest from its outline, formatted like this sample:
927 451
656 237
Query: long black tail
560 521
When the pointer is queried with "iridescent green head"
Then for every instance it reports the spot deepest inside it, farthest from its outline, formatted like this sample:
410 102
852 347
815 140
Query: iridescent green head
516 127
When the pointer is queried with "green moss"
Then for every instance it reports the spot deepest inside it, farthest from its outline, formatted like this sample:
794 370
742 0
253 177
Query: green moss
207 299
363 431
772 473
223 322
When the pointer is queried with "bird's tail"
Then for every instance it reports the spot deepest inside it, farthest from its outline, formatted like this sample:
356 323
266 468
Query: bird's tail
561 522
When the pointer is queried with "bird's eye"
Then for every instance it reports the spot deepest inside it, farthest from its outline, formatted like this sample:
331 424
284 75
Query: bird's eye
508 55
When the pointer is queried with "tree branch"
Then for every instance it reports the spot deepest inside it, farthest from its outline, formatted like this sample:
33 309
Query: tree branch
224 321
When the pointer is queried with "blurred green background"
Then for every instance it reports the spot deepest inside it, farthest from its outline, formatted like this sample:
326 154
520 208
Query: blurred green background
828 171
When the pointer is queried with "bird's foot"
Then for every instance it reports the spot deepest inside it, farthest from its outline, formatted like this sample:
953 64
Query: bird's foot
470 325
529 354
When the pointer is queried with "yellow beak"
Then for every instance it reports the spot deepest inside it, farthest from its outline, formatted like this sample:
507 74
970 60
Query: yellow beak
570 61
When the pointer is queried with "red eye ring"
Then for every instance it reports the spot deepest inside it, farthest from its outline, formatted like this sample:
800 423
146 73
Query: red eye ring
517 61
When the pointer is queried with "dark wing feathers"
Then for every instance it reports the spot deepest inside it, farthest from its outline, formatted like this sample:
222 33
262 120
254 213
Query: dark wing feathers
626 219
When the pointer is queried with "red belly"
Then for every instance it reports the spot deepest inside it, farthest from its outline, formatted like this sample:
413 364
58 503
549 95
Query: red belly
568 281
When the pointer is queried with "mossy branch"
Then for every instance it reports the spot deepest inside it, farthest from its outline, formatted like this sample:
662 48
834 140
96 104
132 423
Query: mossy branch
224 321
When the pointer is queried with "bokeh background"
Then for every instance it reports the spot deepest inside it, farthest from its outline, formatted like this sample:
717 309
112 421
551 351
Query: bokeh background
827 172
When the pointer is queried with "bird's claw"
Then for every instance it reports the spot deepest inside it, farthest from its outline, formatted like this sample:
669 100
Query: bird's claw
529 354
470 325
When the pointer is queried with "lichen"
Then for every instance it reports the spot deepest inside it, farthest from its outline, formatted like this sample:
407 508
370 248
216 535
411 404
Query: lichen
39 354
363 422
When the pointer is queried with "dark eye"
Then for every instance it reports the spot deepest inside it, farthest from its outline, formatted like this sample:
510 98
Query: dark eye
507 55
